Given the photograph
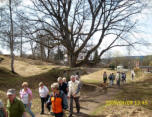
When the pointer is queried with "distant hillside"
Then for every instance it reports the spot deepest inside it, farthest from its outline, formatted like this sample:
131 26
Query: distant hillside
26 67
133 57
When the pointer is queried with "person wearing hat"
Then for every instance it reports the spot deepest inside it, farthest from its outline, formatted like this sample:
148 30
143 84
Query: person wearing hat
74 94
26 98
44 95
14 107
57 100
2 110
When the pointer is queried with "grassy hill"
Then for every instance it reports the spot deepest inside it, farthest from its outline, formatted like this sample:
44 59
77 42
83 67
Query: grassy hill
93 99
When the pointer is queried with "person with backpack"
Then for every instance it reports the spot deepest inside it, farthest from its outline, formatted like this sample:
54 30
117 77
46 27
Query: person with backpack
57 100
110 79
44 95
2 110
104 77
123 76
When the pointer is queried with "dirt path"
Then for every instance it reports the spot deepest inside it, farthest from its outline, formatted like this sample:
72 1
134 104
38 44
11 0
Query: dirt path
90 101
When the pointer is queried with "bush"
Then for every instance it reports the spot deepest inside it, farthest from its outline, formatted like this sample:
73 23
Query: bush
138 72
112 66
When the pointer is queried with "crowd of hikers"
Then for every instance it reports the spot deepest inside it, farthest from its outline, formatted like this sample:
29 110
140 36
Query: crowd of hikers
119 78
56 102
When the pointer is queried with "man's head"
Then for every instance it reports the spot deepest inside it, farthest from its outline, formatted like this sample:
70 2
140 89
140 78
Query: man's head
73 78
11 94
60 80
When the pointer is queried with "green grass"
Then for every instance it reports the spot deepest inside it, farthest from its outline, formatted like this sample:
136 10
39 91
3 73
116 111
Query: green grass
138 90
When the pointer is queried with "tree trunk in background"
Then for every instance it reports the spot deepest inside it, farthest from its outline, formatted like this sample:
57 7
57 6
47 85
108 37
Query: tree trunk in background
42 50
48 54
72 59
32 49
11 38
21 47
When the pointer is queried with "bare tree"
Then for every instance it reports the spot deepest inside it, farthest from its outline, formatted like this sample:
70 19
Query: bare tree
73 22
11 37
7 33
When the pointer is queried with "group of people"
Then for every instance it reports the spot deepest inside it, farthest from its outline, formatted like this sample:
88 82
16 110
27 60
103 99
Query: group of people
56 102
120 78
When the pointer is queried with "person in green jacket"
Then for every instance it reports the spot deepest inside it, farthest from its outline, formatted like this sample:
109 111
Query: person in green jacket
14 107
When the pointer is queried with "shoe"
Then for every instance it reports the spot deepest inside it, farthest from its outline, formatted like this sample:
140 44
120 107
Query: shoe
78 112
42 113
70 115
51 113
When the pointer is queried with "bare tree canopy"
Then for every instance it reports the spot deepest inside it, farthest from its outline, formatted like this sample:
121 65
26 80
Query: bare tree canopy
74 24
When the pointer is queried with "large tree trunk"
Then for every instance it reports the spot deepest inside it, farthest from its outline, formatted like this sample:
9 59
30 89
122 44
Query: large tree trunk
72 59
43 55
11 39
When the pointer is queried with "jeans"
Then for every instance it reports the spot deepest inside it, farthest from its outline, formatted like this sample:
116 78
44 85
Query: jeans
28 109
76 99
111 82
43 101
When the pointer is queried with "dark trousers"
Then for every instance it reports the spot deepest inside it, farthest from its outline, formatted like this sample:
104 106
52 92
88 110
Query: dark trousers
76 99
43 101
58 114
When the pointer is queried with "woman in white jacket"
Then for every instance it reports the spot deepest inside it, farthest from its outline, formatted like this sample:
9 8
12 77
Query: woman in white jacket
44 95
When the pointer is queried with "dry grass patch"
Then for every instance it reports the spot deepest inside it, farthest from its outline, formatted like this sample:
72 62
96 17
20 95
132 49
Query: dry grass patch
27 67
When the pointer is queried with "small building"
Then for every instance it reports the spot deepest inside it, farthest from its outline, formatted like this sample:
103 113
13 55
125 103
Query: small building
120 68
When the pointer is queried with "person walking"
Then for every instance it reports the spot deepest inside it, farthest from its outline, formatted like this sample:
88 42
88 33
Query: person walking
118 78
74 94
62 86
132 74
14 107
44 95
110 79
65 80
58 101
26 98
123 76
2 110
104 77
113 78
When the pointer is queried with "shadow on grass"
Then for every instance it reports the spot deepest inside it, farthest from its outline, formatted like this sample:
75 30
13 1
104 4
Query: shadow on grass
10 80
81 114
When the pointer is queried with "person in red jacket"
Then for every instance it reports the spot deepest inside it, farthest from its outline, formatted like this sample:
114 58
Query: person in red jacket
57 100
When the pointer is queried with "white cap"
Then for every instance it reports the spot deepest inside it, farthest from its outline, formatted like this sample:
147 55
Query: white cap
11 91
